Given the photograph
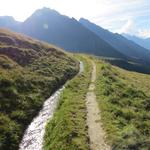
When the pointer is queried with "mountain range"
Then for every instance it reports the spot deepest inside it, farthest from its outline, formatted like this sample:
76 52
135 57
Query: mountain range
48 25
119 42
78 36
9 22
143 42
51 99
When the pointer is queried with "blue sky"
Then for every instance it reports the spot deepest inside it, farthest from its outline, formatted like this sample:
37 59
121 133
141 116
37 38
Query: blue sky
122 16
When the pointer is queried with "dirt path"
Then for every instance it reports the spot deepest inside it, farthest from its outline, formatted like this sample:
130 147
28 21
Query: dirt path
95 130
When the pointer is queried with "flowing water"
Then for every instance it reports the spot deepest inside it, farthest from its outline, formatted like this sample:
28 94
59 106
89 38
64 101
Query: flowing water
81 67
33 136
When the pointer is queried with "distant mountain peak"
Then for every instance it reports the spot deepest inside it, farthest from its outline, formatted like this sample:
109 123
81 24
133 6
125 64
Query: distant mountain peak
9 22
80 36
47 10
43 12
8 18
83 19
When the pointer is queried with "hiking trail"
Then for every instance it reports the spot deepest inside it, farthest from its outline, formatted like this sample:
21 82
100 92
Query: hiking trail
95 130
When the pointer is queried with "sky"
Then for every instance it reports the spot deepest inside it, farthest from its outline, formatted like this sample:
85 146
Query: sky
121 16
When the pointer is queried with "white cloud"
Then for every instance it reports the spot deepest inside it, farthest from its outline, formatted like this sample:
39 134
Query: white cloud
130 28
127 28
145 33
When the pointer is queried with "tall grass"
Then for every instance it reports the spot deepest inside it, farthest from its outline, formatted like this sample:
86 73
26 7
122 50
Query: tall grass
125 108
26 80
67 130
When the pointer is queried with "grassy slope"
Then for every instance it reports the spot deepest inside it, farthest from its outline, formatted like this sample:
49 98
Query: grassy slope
141 67
124 99
67 130
30 71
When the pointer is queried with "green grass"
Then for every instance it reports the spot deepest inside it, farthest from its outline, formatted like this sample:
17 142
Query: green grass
135 65
124 100
30 71
67 129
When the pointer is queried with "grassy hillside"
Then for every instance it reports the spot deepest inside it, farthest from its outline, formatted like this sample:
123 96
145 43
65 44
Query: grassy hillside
130 65
30 71
124 99
68 130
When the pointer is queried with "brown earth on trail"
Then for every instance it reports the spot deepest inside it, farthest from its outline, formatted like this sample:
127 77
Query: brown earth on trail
95 130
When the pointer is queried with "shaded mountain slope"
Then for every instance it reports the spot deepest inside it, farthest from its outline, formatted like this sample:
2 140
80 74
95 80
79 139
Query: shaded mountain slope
84 37
120 43
50 26
30 71
9 22
143 42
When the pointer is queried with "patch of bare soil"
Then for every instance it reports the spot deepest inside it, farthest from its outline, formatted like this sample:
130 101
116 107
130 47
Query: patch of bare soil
95 130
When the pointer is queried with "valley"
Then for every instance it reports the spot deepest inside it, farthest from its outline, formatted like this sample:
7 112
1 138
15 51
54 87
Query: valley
88 91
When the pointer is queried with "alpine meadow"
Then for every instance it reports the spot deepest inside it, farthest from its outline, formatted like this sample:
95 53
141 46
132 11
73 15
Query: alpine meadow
75 75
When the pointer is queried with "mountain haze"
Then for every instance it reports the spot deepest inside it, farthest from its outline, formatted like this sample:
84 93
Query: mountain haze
9 22
72 85
143 42
50 26
119 42
79 36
